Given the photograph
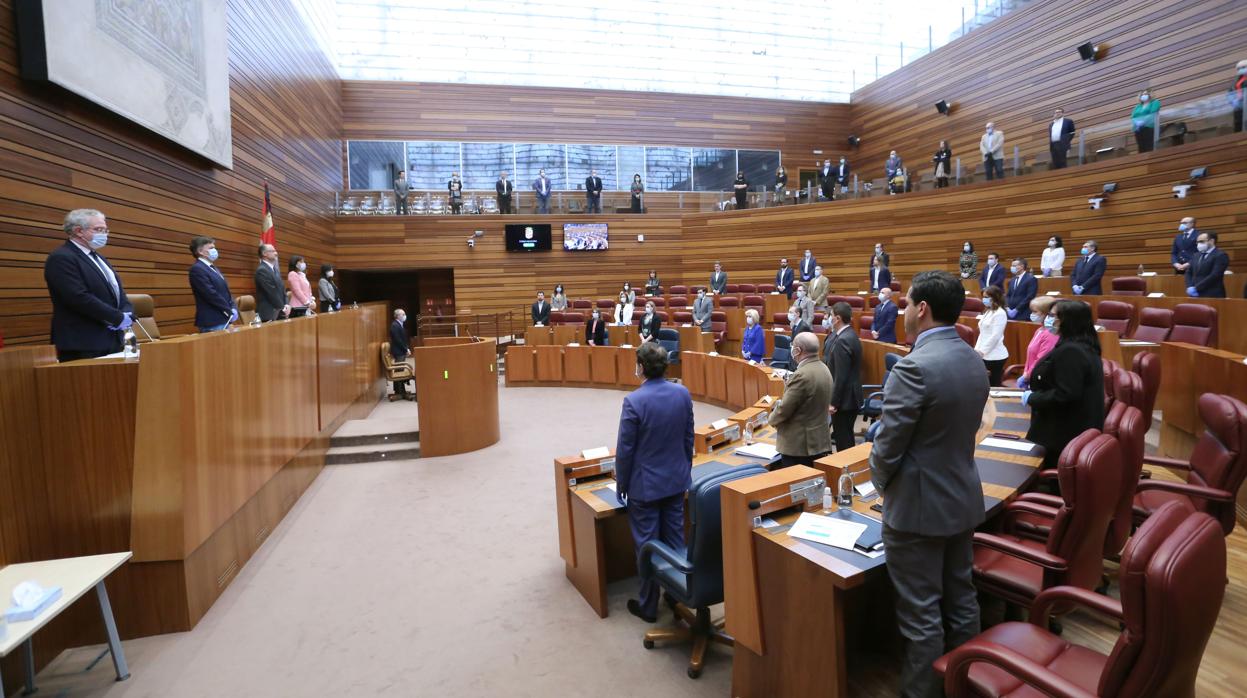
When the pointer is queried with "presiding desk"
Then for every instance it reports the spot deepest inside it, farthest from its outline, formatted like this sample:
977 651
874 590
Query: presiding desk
459 390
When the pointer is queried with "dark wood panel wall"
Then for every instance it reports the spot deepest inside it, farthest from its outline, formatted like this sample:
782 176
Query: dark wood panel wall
1017 69
59 152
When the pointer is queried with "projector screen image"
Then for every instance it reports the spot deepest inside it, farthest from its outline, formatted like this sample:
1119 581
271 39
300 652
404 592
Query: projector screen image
527 237
585 236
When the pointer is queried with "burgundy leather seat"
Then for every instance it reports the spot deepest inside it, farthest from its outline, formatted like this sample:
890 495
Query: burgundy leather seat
1111 369
729 302
746 288
902 302
779 319
1115 316
895 286
606 304
754 302
1154 325
731 288
1215 471
582 304
865 324
680 317
678 290
1147 365
1017 568
970 335
556 317
678 302
1173 578
1194 324
570 318
973 307
855 302
766 288
718 325
1128 286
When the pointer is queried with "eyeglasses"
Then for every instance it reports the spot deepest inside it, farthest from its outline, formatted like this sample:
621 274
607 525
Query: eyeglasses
98 229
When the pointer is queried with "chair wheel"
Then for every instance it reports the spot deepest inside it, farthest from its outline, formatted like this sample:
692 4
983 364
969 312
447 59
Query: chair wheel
694 673
648 644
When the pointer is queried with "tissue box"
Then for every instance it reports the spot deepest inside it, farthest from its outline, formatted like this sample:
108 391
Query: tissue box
16 614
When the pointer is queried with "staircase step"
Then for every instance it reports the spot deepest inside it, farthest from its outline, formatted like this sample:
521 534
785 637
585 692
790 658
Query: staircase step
375 439
372 453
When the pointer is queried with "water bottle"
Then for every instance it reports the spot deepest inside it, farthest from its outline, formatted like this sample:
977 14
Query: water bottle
255 320
1140 270
826 499
845 485
749 433
130 344
354 305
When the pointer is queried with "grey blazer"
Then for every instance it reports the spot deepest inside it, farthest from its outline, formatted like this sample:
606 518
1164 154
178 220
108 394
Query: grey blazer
806 307
702 307
718 282
923 457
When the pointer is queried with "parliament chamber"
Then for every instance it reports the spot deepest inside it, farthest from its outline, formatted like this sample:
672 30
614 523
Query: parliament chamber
258 510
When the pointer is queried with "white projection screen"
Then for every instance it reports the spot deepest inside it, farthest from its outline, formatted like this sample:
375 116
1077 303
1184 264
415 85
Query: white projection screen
163 64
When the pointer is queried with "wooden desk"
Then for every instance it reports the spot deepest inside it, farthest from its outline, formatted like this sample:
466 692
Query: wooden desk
460 381
569 334
521 364
619 335
534 336
550 363
693 339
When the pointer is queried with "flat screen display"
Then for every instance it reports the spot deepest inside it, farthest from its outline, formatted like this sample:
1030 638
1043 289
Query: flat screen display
585 236
528 237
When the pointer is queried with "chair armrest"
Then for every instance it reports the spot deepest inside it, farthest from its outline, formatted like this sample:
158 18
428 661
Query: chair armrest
1166 462
1047 500
1012 371
1187 489
1049 474
957 674
1083 597
1023 506
872 396
1008 547
658 548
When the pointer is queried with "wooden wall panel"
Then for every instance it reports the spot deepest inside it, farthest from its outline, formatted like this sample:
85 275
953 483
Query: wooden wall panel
1017 69
59 152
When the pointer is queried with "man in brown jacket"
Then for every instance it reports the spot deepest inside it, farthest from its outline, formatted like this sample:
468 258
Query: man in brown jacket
800 416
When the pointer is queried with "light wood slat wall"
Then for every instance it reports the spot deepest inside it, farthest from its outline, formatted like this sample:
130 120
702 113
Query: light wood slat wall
59 152
1017 69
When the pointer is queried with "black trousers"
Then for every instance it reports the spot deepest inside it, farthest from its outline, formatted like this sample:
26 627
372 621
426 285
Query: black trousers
455 205
1145 138
400 202
64 355
787 460
1238 119
842 423
594 203
636 204
995 369
995 168
504 204
742 199
1058 150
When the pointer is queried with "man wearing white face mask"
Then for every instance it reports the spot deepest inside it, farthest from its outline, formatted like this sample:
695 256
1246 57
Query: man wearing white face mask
992 148
883 328
1206 277
800 416
214 305
1183 250
804 305
1022 289
89 306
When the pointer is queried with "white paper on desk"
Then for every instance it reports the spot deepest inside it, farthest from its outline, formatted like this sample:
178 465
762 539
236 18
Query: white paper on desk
1004 392
610 486
719 424
1156 294
625 346
1053 293
1148 273
1136 343
1024 446
827 530
573 344
713 353
766 399
866 489
761 450
599 452
687 324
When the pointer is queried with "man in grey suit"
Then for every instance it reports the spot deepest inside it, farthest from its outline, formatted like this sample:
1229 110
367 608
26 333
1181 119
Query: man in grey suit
718 280
923 464
800 416
804 305
702 307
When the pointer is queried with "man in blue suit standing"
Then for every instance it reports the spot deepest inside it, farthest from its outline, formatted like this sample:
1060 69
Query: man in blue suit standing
1088 271
783 279
541 186
653 464
1022 290
1183 250
884 326
214 306
1206 276
992 274
89 306
880 277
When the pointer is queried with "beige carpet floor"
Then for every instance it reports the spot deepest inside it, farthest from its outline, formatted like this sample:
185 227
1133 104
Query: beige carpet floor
431 577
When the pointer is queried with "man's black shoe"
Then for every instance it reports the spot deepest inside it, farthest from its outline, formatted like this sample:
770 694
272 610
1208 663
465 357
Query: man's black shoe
634 607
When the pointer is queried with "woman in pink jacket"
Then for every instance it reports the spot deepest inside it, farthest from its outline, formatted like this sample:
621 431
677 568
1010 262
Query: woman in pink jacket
300 289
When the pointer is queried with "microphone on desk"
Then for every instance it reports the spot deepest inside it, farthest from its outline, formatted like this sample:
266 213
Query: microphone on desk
569 470
139 325
817 482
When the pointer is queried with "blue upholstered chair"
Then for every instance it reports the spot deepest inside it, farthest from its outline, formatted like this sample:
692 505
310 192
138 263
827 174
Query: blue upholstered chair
669 339
872 406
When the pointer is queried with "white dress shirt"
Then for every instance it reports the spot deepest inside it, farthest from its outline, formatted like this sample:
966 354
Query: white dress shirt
1056 129
1053 259
991 345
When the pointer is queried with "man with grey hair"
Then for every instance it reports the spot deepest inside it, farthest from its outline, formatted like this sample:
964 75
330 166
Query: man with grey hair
90 311
992 148
270 288
800 416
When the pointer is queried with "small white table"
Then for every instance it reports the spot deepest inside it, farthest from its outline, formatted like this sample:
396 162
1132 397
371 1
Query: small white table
75 576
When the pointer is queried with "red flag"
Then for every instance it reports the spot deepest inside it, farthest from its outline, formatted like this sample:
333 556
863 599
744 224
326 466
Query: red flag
268 235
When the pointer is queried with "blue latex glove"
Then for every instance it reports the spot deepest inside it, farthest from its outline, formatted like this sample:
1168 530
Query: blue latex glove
1078 290
1023 383
233 314
1026 396
127 319
1013 313
1190 291
621 496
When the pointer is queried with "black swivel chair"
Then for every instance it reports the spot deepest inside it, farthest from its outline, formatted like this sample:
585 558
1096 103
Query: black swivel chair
694 577
782 356
669 339
872 406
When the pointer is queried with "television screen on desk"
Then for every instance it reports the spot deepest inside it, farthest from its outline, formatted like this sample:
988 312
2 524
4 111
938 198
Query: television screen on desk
528 237
585 236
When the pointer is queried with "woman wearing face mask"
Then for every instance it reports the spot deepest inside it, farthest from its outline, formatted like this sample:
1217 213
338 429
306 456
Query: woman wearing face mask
1143 119
559 301
629 292
638 191
943 164
650 324
969 261
327 290
595 329
300 289
753 345
1044 339
1066 392
623 309
991 344
1053 257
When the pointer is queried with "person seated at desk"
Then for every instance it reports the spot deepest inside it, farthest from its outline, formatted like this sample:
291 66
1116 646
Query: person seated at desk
654 464
883 328
652 286
650 323
800 416
1044 339
541 310
595 329
214 305
559 301
702 308
753 343
300 289
623 309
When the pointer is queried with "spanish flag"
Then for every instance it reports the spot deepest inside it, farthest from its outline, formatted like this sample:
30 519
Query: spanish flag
268 235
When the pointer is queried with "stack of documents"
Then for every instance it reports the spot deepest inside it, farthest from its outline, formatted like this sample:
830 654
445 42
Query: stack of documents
759 450
1009 444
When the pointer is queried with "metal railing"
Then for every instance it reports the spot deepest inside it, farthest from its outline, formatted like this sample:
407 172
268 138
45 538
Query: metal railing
505 327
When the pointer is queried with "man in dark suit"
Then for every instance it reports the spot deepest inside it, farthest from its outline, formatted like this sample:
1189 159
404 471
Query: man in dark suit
595 329
807 266
541 186
504 188
1060 133
842 174
1022 290
718 279
400 350
884 326
842 353
541 310
270 290
923 464
783 279
1088 271
593 192
1184 244
880 277
1206 277
992 274
797 323
653 464
879 252
800 416
214 306
826 180
90 311
703 307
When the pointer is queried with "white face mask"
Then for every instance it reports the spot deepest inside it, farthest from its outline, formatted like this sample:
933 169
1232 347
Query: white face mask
1015 269
792 319
649 311
987 302
966 248
1052 243
1201 246
329 273
1144 98
595 315
301 266
749 320
1183 227
402 319
882 299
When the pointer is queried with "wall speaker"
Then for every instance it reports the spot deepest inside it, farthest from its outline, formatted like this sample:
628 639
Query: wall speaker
854 141
1088 51
943 107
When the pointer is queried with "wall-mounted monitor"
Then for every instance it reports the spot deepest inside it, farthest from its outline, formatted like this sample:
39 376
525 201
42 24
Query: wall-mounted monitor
528 237
585 236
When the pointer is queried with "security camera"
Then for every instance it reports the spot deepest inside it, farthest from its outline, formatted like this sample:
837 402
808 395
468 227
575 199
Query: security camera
471 243
1096 202
1180 190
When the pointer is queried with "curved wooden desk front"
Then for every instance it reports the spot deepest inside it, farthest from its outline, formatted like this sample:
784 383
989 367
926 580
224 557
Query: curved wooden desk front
458 388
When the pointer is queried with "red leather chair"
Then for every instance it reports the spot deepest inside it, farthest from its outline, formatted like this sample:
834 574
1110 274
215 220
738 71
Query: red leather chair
639 304
779 319
606 304
1154 325
901 302
856 302
746 288
766 288
1173 578
865 324
1111 369
678 302
1115 316
1215 471
695 289
1194 324
731 288
832 300
969 334
569 318
872 301
1147 365
678 290
718 325
659 301
729 302
1128 286
662 315
753 302
895 286
582 305
681 317
818 320
1017 568
556 317
973 306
